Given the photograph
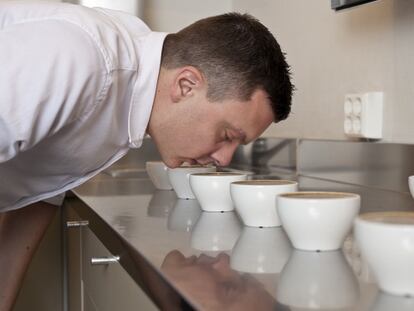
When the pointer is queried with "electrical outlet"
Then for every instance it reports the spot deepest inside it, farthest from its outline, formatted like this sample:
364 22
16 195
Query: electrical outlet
363 115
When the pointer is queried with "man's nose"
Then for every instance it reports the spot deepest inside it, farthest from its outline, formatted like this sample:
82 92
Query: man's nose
223 156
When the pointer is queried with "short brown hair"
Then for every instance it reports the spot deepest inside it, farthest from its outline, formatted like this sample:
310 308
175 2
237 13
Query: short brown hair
237 55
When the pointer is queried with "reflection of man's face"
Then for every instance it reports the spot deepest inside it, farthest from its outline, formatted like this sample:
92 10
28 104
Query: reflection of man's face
212 285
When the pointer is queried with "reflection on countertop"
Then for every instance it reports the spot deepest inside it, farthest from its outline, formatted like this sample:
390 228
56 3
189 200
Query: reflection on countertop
184 215
213 285
261 250
216 231
318 280
257 266
161 204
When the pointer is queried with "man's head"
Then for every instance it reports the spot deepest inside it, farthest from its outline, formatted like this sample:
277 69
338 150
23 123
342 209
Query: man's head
211 284
223 80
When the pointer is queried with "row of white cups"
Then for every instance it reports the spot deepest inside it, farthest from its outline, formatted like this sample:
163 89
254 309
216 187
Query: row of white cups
299 279
313 221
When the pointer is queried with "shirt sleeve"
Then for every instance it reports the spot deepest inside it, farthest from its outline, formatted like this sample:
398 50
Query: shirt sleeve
52 73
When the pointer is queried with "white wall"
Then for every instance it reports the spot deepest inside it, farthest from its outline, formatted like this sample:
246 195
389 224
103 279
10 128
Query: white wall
368 48
403 101
171 16
130 6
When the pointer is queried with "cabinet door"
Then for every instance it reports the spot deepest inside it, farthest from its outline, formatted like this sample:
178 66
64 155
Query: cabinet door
74 263
88 304
109 287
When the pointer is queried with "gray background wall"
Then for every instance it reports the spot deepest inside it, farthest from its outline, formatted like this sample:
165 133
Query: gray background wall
368 48
364 49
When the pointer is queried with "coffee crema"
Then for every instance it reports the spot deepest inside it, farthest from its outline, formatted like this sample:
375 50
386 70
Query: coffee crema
396 218
318 195
267 182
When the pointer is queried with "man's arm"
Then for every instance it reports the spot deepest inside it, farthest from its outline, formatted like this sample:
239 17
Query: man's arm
20 234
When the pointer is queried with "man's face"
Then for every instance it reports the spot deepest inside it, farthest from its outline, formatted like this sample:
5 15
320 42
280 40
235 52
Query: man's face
196 130
213 285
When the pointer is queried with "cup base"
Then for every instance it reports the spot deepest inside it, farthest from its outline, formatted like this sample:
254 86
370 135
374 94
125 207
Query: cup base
261 225
216 210
317 249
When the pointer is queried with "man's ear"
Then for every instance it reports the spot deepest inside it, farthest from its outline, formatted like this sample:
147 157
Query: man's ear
187 81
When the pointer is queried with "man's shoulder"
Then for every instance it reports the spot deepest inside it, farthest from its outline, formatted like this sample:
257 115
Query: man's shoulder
18 12
112 32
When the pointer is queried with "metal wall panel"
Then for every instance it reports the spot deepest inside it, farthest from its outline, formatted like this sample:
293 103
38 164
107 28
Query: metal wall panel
378 165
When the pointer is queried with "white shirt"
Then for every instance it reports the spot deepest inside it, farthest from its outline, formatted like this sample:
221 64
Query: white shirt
76 91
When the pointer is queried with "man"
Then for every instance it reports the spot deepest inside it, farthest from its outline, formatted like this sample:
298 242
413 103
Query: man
80 86
210 284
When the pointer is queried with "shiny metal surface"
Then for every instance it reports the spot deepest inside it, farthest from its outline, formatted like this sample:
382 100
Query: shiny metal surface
266 155
181 247
77 223
96 261
278 153
172 249
373 200
126 173
378 165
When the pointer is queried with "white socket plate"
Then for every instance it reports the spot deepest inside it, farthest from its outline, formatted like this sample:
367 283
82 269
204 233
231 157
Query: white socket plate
363 115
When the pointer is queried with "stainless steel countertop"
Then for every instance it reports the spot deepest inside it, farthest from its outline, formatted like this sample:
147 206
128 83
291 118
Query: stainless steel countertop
154 223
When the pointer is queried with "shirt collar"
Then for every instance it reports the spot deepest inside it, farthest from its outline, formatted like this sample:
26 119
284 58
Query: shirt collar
145 86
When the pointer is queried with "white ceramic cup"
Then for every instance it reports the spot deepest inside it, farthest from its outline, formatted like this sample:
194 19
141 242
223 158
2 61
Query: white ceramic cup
161 203
157 172
386 242
317 221
184 215
254 200
411 184
179 178
317 281
215 231
212 190
261 250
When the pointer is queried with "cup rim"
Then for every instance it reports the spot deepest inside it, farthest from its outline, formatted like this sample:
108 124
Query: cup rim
217 174
155 162
377 218
265 182
318 195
